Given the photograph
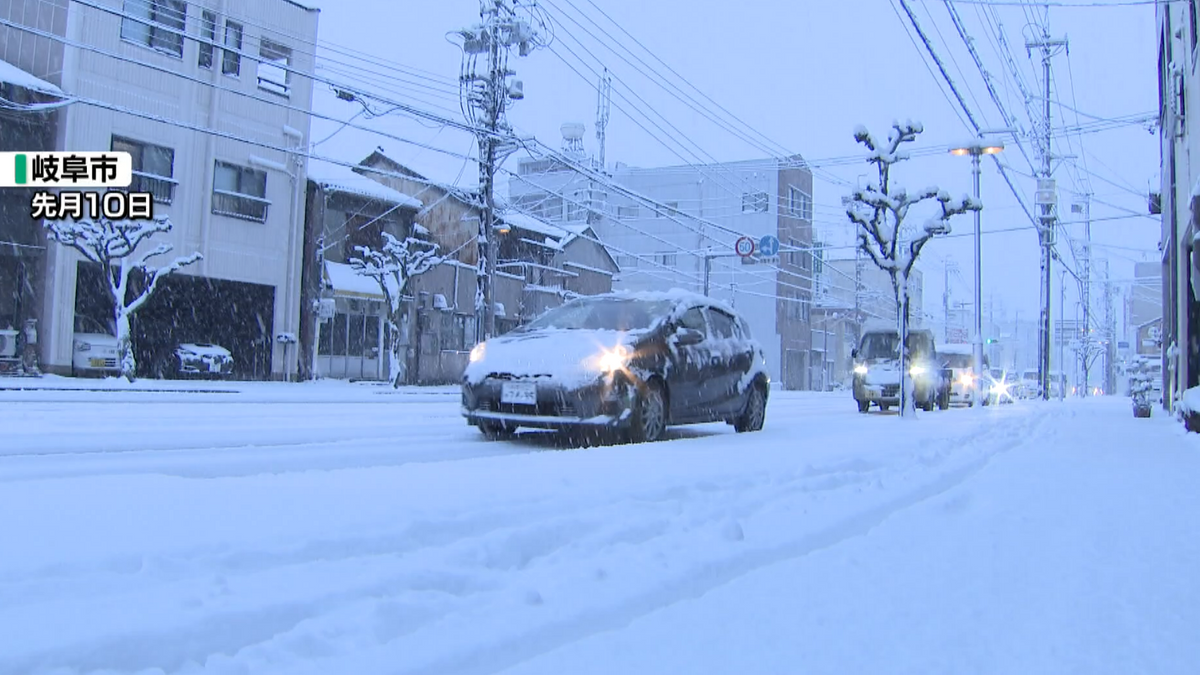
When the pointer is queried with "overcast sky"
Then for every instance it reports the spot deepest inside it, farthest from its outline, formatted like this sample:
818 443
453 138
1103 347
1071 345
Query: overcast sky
803 74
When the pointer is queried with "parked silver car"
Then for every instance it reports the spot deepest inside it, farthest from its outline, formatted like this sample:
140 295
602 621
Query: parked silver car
202 359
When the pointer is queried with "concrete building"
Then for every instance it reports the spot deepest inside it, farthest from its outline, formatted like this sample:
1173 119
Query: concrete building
1178 200
691 238
22 243
239 204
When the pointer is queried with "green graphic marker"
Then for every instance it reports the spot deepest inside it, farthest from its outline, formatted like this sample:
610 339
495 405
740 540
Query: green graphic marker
19 170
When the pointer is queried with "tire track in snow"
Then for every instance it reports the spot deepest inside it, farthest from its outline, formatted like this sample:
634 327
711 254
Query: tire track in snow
507 653
501 547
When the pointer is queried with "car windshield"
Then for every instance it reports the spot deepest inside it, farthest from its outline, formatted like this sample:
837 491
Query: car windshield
623 314
880 346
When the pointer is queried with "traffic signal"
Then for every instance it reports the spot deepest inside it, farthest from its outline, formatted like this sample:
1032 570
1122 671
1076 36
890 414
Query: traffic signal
991 341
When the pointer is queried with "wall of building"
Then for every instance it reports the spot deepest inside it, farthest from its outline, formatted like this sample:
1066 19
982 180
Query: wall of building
1178 82
261 253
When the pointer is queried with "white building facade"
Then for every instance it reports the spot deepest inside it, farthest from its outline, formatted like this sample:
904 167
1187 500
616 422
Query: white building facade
208 98
691 238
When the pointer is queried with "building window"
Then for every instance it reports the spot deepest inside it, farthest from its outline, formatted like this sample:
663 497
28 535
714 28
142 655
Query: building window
626 262
240 192
667 259
231 59
274 74
208 37
158 24
630 211
799 203
153 168
755 202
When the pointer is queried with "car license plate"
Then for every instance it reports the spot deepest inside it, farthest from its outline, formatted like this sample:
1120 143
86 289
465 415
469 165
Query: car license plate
519 393
96 363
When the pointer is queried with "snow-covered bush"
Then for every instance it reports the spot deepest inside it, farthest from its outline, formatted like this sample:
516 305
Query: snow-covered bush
113 244
391 266
880 212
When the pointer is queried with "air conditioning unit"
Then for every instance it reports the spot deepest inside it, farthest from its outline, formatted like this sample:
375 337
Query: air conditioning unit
8 344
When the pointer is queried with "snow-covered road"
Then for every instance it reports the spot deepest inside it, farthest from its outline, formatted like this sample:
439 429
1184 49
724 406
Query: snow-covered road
350 530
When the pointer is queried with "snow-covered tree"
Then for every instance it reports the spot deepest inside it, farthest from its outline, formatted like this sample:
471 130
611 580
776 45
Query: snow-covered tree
391 266
113 244
880 211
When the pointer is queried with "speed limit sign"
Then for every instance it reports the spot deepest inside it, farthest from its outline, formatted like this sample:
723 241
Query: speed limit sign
744 247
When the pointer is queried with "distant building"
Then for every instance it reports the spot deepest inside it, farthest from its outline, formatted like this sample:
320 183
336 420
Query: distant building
1146 309
239 204
668 247
539 266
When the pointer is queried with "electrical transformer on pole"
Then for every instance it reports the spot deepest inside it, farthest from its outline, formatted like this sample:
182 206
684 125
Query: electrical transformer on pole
487 89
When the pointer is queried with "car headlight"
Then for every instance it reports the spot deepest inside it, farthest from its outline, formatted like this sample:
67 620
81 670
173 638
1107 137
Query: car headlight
83 347
478 351
860 369
916 371
611 360
1000 389
966 380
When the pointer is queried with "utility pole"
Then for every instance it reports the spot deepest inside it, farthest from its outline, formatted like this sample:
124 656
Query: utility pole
603 105
1046 199
946 299
1062 337
487 91
1087 288
1110 329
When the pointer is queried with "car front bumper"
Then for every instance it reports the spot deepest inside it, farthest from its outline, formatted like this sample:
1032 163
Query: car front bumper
606 403
889 394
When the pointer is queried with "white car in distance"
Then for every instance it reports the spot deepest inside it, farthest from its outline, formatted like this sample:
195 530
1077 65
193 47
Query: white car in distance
93 349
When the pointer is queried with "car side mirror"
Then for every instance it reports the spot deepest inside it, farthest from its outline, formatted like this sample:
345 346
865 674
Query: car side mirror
854 353
685 337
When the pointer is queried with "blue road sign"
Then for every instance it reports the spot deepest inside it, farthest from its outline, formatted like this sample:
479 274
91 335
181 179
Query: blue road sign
768 246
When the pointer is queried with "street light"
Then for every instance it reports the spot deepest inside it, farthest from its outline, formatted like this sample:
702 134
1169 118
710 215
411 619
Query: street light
976 149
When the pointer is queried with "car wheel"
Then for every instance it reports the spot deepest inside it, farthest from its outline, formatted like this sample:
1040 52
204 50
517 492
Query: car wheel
649 415
863 406
755 414
927 406
884 407
497 431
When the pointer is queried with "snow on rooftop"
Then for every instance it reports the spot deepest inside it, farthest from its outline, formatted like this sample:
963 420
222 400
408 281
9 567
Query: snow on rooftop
346 281
14 75
532 224
338 178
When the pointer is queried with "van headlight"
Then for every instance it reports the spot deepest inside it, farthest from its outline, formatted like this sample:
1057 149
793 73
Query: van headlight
916 371
860 369
477 352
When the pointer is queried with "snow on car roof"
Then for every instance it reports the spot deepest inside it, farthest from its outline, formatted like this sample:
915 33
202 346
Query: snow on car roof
678 296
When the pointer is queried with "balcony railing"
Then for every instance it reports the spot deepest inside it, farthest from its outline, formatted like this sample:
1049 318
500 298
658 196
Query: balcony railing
161 187
237 205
